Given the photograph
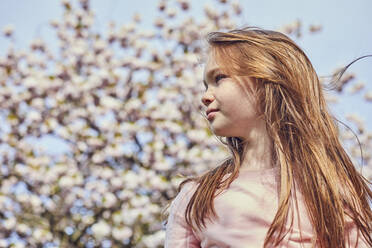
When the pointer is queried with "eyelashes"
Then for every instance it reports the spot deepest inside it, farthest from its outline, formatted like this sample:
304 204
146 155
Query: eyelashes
218 77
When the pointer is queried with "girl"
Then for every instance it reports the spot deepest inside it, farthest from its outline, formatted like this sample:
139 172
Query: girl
288 182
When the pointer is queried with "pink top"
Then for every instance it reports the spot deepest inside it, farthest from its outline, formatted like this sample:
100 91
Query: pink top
246 210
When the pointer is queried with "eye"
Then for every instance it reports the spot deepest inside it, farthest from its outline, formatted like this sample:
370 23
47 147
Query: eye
219 77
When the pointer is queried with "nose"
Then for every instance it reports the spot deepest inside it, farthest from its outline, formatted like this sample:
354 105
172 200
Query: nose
207 98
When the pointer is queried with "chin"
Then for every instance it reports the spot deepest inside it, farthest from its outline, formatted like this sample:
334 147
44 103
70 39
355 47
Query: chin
222 132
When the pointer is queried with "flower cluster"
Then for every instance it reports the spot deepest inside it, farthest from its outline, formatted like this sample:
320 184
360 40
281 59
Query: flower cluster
95 134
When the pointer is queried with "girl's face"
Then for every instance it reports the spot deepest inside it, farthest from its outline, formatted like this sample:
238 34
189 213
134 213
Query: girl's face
234 100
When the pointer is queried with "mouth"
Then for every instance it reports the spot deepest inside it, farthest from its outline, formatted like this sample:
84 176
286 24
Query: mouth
211 114
210 111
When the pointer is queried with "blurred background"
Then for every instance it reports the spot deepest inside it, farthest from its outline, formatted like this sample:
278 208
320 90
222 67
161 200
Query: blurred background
100 107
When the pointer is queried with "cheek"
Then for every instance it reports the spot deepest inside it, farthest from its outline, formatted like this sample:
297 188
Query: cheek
242 108
236 101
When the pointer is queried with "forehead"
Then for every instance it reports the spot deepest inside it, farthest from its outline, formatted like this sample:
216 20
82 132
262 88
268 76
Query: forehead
211 65
227 59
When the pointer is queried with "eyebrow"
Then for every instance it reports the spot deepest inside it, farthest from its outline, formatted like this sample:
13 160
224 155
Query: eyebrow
210 73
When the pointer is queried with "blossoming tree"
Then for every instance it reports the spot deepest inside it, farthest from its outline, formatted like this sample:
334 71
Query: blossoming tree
121 111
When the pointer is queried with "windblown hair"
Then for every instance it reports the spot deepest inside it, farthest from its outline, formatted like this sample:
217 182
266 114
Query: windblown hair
305 141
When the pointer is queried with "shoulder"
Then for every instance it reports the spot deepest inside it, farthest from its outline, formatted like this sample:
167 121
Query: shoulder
184 195
177 210
178 232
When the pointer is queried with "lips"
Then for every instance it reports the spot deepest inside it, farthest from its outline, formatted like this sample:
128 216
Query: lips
211 110
211 114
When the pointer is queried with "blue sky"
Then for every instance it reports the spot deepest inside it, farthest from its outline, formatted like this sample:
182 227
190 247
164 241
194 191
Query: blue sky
346 32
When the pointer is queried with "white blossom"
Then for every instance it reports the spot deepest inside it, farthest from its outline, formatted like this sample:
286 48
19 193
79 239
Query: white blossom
42 235
8 30
3 243
10 223
66 182
130 215
122 233
153 241
109 200
35 201
131 180
357 87
93 128
101 229
368 96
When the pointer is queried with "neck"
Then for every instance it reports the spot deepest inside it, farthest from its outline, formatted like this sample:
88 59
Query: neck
258 150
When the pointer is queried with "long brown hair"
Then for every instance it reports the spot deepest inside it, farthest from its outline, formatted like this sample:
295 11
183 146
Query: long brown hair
304 135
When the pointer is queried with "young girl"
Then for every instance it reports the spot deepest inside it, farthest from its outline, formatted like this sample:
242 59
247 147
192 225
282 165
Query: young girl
288 182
